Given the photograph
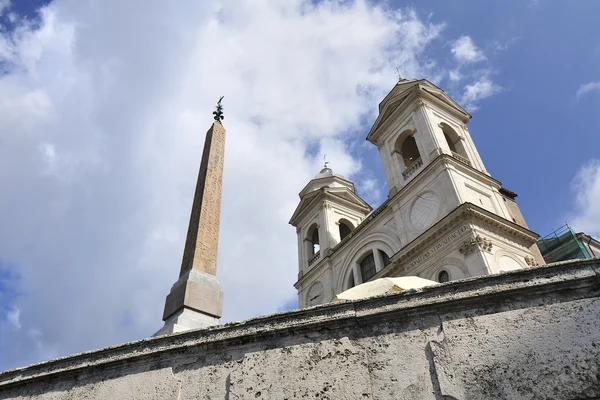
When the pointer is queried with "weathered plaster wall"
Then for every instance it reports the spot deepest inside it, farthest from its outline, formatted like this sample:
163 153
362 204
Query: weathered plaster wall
528 334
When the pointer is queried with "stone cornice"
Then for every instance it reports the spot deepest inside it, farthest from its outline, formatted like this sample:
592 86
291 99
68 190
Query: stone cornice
566 281
503 224
510 194
453 108
464 213
313 270
359 203
328 194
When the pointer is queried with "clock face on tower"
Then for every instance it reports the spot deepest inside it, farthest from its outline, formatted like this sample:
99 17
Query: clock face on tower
424 210
315 294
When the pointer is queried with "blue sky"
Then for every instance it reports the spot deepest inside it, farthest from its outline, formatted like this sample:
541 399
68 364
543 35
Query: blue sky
103 107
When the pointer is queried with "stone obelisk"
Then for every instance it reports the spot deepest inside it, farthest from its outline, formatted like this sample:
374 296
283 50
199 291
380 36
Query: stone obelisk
196 300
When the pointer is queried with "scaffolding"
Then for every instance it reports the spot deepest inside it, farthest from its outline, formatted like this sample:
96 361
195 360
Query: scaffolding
562 244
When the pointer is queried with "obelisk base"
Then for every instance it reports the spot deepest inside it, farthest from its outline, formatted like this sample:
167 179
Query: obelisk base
195 302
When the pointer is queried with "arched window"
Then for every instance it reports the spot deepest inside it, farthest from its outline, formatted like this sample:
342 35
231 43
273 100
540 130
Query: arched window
367 267
313 240
455 144
443 276
408 150
408 153
345 228
450 143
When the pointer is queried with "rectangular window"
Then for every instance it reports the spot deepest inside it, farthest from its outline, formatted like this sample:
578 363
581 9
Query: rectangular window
367 267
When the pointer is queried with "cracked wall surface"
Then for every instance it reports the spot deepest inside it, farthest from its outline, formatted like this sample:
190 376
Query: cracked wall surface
528 334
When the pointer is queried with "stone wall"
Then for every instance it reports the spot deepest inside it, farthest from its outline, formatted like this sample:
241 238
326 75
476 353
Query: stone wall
527 334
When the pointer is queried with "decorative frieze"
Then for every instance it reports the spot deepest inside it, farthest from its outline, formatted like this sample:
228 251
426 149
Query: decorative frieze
437 247
531 261
478 242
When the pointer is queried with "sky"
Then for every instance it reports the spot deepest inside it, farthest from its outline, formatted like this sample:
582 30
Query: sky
104 106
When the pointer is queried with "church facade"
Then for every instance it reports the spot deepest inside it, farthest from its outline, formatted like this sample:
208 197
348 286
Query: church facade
445 217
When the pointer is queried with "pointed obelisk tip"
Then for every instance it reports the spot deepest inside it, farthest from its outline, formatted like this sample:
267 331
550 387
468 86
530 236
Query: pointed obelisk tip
218 113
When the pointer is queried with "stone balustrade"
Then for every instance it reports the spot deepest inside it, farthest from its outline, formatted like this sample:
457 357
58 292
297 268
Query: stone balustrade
314 258
412 168
462 159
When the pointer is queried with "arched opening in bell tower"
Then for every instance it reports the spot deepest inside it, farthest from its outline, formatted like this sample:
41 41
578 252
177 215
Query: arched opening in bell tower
313 240
455 144
408 150
346 228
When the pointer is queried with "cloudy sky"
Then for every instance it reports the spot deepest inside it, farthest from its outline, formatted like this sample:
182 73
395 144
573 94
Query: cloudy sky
104 106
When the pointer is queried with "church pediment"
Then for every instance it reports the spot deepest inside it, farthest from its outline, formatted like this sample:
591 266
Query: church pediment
306 203
407 92
440 95
349 197
315 199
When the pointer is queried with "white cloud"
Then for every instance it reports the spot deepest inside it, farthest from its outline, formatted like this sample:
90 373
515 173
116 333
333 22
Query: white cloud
586 189
370 189
116 98
13 318
4 6
454 75
476 80
465 51
587 88
478 90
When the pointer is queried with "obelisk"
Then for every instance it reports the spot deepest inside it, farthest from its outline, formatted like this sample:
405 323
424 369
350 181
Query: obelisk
196 300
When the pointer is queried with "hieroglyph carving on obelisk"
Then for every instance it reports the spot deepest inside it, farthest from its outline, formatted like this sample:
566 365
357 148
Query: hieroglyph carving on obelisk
202 240
196 300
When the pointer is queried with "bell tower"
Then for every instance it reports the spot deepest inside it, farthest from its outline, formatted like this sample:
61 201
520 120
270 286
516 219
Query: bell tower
429 156
418 122
328 212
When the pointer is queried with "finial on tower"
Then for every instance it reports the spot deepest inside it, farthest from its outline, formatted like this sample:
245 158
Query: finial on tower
325 162
400 78
218 113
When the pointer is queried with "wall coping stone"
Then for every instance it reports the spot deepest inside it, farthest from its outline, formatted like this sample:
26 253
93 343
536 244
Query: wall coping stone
489 294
